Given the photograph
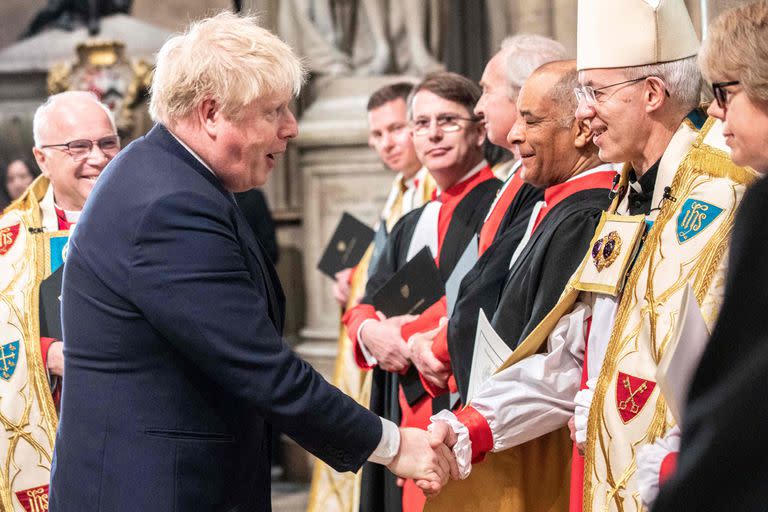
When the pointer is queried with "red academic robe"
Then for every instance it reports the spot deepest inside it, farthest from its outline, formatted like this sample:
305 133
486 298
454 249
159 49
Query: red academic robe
430 319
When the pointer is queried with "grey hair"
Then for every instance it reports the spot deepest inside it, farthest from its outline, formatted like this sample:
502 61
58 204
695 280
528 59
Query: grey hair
525 53
682 79
41 114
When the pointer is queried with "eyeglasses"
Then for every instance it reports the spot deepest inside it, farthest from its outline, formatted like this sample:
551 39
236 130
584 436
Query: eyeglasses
590 95
446 122
80 149
723 95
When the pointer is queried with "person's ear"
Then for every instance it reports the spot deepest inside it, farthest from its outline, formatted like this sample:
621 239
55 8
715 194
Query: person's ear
209 116
582 131
42 160
654 93
481 134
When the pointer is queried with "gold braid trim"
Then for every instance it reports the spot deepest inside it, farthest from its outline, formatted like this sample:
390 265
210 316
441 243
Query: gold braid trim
701 160
26 319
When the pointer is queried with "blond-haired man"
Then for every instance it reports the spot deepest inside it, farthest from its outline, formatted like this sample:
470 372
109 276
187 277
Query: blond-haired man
175 365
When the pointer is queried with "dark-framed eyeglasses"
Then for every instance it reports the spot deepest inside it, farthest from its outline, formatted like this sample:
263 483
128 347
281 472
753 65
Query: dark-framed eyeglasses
723 95
80 149
446 122
587 92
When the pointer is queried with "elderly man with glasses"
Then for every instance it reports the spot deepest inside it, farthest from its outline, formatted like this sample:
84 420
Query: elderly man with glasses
75 138
642 101
666 230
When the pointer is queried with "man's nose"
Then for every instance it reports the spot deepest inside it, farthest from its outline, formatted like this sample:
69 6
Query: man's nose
387 141
97 157
584 110
289 128
435 132
516 134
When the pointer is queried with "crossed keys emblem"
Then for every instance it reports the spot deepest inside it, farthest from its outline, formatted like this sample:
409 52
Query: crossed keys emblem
634 409
630 401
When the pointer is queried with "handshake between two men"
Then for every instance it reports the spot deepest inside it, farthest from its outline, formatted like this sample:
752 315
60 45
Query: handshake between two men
426 457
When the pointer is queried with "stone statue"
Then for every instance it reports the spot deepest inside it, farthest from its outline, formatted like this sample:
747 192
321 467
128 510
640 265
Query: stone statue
363 37
70 14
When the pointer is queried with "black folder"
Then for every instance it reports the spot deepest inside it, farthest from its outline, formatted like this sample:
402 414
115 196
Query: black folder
347 246
412 289
416 286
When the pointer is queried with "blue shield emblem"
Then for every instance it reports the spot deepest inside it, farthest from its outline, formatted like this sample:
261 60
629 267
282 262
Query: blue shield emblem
695 217
9 357
58 246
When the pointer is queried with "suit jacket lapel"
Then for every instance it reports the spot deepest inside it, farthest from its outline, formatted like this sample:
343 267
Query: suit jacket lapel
271 281
160 135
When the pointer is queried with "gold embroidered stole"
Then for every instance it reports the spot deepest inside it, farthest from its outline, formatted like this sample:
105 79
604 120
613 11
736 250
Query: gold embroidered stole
686 244
27 411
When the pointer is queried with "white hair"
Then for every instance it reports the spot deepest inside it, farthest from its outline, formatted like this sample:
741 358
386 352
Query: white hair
682 79
226 57
43 111
525 53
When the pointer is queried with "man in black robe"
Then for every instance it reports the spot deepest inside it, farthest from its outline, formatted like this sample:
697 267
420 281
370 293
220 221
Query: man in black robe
448 139
516 284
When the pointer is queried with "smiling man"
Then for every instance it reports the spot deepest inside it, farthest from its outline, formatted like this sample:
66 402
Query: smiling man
448 141
505 223
75 138
521 404
175 365
390 136
618 310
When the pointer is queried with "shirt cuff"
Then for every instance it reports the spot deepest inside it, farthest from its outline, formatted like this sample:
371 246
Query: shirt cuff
389 444
369 359
462 450
479 432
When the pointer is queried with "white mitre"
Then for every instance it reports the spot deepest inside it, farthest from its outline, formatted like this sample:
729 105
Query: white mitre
625 33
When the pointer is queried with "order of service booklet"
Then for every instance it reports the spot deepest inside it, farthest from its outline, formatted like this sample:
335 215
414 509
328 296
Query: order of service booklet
489 353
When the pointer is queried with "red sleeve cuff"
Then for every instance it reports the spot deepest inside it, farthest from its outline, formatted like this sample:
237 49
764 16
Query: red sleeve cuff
479 432
668 465
426 321
440 345
353 319
45 344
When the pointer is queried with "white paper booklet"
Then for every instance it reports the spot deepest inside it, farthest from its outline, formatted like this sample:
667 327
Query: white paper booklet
489 353
681 358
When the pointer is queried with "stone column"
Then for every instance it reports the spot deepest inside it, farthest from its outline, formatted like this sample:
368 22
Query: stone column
340 173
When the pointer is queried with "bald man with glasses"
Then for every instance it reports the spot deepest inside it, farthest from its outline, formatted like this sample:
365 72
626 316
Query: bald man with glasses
75 137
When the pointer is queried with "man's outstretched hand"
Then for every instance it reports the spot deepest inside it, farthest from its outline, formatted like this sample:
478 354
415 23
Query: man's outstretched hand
441 435
421 458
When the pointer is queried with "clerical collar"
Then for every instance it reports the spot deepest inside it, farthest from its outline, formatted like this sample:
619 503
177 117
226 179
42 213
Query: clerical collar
640 193
555 193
